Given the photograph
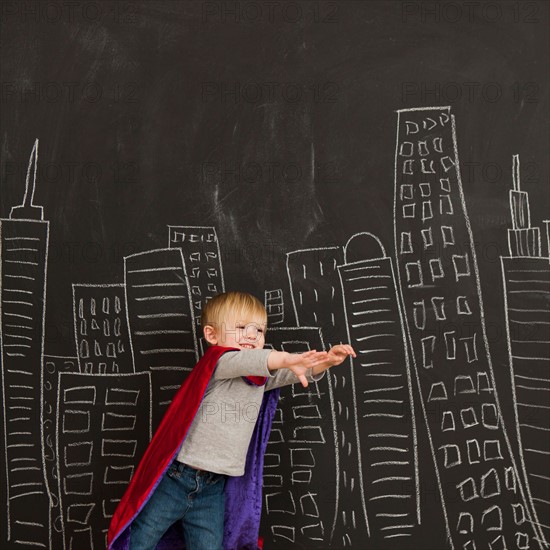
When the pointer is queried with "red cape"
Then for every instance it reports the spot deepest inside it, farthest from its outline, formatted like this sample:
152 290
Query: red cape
166 443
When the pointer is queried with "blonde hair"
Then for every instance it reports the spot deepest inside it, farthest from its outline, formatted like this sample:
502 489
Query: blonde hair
233 305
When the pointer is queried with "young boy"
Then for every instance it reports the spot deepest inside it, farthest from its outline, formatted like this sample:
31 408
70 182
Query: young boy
210 478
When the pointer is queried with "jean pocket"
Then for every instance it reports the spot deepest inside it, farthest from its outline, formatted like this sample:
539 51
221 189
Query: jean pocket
216 479
173 472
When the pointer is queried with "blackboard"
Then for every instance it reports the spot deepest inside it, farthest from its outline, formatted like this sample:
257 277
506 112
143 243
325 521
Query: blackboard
375 172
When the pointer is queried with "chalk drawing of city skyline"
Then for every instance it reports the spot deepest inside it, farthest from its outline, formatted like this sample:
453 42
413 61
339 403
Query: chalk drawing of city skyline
75 426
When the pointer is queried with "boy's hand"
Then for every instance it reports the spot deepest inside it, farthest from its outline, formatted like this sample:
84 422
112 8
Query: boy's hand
336 355
301 363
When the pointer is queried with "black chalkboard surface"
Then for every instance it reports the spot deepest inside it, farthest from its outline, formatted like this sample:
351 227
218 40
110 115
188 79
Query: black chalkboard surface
375 172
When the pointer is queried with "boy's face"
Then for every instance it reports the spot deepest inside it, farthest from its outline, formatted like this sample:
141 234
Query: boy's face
246 334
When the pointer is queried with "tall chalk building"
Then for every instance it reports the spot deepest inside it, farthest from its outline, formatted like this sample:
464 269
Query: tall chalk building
382 393
526 281
24 255
484 502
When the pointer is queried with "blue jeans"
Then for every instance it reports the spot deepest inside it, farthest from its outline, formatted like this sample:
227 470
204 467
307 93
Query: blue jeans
193 497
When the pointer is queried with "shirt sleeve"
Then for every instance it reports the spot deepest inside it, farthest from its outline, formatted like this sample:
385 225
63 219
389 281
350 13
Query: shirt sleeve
285 377
246 362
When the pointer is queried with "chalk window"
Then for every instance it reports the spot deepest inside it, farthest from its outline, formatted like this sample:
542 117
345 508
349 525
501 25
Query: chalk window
119 396
465 524
301 457
301 476
76 421
309 506
451 455
450 344
309 434
406 191
474 454
428 345
78 484
519 511
427 237
462 306
427 166
447 163
489 416
412 127
438 304
106 305
272 480
419 315
491 449
464 384
408 210
438 392
414 274
427 210
490 485
406 149
118 475
448 422
119 447
80 394
467 489
408 167
425 189
491 519
461 265
483 383
471 348
80 513
436 268
445 204
468 417
445 184
84 349
83 327
438 145
406 244
510 479
78 454
423 148
447 234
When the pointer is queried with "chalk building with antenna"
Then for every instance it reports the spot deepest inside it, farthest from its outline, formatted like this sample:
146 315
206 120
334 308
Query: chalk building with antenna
526 283
24 238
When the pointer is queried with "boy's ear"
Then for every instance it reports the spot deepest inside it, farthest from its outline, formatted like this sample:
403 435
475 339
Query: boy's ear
209 333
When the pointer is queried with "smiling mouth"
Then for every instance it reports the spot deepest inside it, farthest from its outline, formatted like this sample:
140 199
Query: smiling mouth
247 346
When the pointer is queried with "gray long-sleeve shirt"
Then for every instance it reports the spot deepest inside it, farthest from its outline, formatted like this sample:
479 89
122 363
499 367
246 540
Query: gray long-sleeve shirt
220 433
